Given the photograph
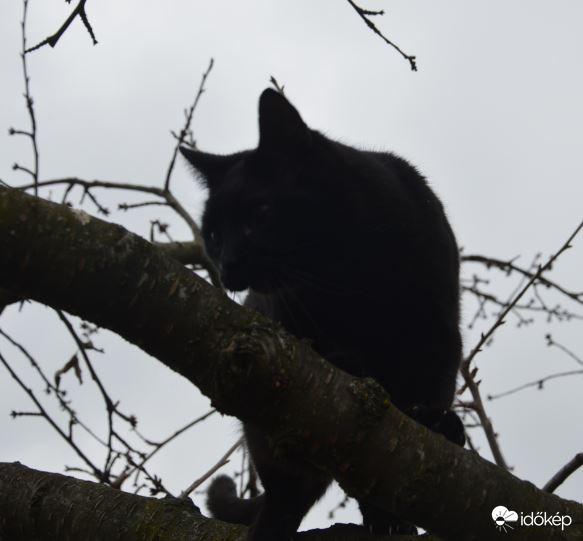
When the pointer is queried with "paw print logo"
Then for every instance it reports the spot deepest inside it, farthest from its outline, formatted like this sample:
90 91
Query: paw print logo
502 517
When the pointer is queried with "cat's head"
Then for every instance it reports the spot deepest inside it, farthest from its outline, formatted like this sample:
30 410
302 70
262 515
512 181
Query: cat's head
263 205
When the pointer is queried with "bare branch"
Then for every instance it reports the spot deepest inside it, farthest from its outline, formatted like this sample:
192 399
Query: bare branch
220 463
96 472
469 374
158 446
519 309
509 266
477 405
366 15
43 497
184 131
127 206
166 195
533 278
74 181
109 406
52 388
32 133
250 367
571 467
552 343
538 383
52 40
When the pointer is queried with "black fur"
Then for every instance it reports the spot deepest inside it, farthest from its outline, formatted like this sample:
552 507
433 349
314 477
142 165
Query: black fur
352 250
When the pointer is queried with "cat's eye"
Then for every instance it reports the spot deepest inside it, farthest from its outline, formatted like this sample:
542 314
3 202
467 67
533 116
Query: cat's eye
258 218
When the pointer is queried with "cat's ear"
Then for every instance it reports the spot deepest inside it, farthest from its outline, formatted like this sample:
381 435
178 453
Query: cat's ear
280 124
211 168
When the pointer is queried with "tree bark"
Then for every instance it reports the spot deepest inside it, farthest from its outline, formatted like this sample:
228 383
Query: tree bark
30 500
252 369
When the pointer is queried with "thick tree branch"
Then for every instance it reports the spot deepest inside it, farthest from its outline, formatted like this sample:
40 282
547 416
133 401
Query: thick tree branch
188 253
101 512
166 195
30 501
252 369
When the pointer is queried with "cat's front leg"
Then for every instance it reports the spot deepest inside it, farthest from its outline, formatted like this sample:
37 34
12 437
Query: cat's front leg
442 421
284 508
379 521
291 486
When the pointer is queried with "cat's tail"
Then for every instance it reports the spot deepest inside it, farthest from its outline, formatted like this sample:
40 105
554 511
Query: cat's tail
224 504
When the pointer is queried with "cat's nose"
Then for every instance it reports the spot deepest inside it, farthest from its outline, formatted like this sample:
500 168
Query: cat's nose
227 260
228 268
232 272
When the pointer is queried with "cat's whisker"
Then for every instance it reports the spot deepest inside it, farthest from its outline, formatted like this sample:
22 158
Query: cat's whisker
290 299
321 284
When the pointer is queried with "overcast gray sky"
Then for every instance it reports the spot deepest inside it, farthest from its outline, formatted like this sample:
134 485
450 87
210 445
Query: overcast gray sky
493 117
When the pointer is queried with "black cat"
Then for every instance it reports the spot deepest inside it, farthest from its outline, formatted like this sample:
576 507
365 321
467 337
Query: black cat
352 250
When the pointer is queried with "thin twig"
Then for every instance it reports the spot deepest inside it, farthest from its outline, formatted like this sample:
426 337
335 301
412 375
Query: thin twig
96 472
533 278
100 208
474 387
573 465
551 342
18 167
509 266
484 297
206 261
116 483
95 184
469 375
538 383
365 15
130 206
52 40
51 387
222 461
32 135
167 196
109 405
157 485
187 123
